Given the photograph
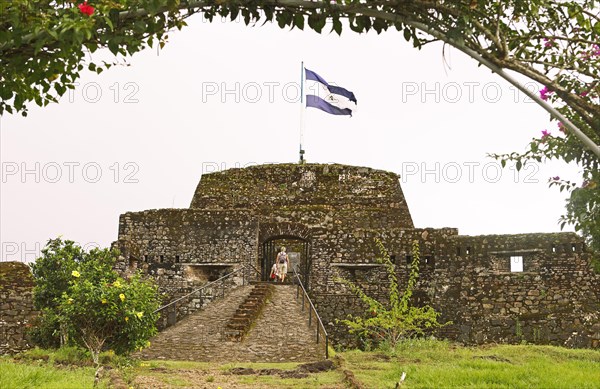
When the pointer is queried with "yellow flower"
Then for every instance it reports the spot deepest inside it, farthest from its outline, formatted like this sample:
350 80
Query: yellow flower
126 318
122 297
139 314
75 273
104 301
148 343
70 301
117 284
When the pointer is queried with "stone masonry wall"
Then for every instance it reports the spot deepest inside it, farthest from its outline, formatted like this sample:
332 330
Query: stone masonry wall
185 249
293 186
555 300
352 254
16 306
337 212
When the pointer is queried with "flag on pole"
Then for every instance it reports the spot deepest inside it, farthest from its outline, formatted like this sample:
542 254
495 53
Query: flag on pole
329 98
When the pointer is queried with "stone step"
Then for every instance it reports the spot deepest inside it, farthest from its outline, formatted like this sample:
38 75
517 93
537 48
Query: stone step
252 306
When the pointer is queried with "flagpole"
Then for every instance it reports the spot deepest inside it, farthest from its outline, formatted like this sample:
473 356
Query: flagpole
302 109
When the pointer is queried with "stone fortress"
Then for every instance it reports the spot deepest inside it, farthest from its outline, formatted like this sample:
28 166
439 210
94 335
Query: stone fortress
537 288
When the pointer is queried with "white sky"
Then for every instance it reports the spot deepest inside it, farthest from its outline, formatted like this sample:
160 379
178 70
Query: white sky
222 95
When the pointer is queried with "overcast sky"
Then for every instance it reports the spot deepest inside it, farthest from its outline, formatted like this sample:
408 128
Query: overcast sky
222 95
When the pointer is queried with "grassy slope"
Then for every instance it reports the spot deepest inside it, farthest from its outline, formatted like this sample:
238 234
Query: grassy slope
428 364
43 375
438 364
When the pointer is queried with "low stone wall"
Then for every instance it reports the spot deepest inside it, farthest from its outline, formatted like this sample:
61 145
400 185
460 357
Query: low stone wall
16 306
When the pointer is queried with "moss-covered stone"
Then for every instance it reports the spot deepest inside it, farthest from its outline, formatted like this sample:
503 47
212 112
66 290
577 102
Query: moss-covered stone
16 306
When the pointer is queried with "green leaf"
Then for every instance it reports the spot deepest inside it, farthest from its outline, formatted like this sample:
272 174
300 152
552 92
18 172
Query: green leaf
299 21
379 25
113 47
337 26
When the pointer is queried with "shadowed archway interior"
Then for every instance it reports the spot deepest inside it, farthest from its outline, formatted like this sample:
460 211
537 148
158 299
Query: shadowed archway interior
298 250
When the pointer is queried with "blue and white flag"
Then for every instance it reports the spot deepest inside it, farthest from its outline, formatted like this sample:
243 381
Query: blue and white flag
329 98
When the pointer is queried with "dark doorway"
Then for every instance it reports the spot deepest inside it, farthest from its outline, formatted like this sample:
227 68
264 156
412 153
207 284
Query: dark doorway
298 250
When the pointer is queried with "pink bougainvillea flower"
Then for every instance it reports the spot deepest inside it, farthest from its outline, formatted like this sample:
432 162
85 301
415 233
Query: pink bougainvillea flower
544 93
86 9
548 42
584 93
561 128
556 178
545 134
596 51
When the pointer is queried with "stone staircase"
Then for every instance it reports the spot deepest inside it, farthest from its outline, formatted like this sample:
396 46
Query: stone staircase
247 313
280 332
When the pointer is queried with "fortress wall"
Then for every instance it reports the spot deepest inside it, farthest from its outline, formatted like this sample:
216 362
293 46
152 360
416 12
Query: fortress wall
339 211
184 249
555 300
189 236
16 306
293 185
352 254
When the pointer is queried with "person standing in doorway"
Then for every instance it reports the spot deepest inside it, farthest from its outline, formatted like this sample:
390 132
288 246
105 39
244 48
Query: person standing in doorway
282 263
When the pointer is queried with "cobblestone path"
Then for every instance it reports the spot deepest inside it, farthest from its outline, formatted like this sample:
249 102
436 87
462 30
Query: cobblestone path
280 334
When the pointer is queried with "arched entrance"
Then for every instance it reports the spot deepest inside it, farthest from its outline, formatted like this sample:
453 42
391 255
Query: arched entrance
298 250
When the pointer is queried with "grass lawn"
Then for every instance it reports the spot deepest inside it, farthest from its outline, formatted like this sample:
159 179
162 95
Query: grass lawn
435 364
44 375
427 363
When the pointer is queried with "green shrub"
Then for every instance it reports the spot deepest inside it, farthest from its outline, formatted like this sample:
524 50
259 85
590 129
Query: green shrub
387 324
84 302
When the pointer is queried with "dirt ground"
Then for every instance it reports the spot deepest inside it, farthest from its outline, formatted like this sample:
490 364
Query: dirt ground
318 374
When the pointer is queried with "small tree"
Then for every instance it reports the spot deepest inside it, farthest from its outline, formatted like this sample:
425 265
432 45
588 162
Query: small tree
83 299
52 273
118 315
397 319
